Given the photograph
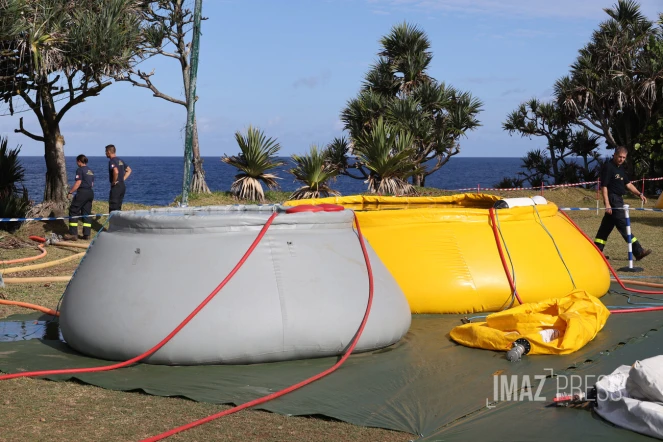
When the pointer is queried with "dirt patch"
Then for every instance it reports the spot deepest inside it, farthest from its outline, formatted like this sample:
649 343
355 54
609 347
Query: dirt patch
13 243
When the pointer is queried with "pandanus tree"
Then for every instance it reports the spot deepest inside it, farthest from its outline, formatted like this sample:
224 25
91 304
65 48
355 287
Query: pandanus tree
540 119
257 157
315 171
616 83
399 89
55 55
386 152
614 93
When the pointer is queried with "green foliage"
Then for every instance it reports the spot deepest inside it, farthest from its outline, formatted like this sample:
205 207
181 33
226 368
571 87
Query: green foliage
537 167
547 120
509 183
613 93
85 40
315 171
649 143
257 157
650 149
614 84
11 170
57 53
14 201
336 153
386 151
399 90
652 140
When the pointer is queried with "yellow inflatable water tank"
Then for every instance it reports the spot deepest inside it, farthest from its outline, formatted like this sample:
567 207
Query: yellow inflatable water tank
442 250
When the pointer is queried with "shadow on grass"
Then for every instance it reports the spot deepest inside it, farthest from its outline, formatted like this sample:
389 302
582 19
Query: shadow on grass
649 221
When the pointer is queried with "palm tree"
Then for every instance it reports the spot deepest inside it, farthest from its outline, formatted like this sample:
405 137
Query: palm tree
387 154
256 159
314 170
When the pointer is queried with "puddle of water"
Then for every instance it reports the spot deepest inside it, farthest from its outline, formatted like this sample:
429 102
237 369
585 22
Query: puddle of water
11 331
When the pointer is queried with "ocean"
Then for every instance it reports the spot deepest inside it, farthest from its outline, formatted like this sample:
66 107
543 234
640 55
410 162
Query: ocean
158 180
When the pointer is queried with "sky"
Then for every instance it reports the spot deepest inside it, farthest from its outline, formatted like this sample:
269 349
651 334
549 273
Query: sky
289 68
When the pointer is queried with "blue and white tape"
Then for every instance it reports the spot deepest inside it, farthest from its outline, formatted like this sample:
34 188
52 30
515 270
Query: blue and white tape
614 208
6 220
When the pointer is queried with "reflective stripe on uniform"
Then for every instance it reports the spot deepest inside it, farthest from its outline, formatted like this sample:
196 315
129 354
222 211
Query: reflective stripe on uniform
73 224
87 225
634 239
599 241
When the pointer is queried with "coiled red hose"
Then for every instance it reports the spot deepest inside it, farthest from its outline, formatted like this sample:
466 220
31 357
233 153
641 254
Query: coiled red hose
499 249
303 383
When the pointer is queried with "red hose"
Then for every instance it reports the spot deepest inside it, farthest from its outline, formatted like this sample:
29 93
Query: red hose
167 338
499 249
29 258
647 292
274 395
39 308
644 284
636 310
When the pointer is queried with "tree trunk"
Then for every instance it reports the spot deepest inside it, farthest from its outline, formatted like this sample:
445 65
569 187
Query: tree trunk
56 168
55 191
417 180
198 184
553 162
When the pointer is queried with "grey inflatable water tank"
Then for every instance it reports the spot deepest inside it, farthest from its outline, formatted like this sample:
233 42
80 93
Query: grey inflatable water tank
301 294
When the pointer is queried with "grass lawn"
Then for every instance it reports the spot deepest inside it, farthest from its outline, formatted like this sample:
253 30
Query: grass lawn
39 410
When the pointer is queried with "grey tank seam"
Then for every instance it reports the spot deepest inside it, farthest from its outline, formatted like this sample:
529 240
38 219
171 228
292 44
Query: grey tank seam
279 289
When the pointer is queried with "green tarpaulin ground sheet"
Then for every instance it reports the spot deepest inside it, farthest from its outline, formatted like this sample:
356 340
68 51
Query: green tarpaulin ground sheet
425 385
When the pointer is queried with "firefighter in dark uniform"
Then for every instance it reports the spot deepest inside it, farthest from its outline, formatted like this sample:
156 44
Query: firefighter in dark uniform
614 183
118 172
82 203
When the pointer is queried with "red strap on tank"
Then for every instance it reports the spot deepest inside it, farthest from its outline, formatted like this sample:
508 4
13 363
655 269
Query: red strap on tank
332 207
315 208
304 208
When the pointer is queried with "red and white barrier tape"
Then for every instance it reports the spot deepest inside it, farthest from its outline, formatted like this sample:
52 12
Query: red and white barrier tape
551 186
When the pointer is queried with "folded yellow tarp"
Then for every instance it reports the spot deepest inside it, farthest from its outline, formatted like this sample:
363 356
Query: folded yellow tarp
571 321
